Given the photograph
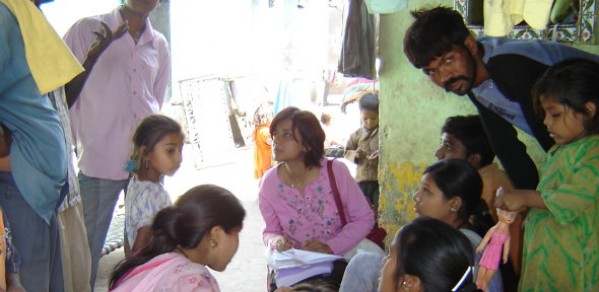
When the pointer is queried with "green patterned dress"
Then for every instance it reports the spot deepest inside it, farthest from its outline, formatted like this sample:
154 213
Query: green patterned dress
561 244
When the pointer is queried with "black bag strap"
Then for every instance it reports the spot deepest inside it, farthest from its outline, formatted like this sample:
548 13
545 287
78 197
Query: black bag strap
336 191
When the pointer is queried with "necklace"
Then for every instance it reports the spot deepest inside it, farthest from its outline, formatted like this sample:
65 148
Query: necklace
290 179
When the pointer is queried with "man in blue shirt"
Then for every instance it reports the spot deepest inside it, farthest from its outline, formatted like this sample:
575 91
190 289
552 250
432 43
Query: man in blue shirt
497 74
33 60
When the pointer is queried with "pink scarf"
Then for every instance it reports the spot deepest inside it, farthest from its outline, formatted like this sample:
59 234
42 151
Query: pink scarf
168 272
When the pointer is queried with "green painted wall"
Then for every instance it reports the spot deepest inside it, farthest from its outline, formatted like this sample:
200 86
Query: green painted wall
412 112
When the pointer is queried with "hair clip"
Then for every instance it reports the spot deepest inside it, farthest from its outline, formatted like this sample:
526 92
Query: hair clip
464 277
131 165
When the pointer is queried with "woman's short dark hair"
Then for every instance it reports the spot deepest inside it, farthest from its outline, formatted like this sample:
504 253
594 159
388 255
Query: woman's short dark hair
435 32
436 253
573 83
457 178
186 223
307 125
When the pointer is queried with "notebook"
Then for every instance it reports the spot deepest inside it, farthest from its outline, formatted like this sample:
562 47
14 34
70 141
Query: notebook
288 276
294 265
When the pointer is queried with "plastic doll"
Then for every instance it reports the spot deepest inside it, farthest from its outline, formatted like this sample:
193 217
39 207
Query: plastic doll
497 238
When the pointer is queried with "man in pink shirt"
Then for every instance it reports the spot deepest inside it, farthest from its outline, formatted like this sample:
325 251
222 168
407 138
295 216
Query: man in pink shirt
127 66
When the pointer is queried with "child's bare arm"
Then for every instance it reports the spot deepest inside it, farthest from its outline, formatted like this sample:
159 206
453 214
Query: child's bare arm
517 200
5 141
142 238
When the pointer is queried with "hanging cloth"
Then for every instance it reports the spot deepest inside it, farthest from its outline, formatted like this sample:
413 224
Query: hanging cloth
500 16
386 6
536 13
560 11
357 57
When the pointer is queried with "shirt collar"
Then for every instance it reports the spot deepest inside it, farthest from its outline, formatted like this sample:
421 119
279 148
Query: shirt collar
115 19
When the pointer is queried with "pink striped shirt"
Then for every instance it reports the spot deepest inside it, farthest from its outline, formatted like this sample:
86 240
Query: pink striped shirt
127 83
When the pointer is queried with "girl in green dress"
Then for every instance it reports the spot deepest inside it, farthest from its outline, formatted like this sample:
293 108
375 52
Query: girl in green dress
561 235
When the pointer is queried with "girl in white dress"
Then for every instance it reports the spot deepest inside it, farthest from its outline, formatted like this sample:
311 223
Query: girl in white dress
158 142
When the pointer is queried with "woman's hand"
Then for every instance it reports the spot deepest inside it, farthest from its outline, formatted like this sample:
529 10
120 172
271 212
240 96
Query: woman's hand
316 246
284 244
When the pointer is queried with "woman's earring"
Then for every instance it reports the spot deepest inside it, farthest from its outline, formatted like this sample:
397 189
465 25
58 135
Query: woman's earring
407 286
453 209
212 243
146 164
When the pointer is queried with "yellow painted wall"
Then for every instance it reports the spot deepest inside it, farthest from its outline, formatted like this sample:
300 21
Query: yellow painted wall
412 112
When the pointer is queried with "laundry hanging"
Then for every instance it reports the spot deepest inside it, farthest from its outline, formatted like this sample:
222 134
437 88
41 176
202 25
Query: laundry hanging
357 58
386 6
500 16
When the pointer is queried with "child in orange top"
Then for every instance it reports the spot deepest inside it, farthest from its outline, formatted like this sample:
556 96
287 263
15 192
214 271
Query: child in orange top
262 139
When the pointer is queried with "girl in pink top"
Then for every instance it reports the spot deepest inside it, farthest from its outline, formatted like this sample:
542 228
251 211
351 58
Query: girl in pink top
201 230
295 198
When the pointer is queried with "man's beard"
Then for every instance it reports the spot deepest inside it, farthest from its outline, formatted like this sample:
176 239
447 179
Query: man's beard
468 81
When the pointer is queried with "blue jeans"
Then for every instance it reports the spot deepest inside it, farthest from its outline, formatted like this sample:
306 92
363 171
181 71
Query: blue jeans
99 197
362 273
371 191
37 243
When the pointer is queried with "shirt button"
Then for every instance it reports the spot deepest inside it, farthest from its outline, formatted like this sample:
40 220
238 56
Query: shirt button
134 92
134 70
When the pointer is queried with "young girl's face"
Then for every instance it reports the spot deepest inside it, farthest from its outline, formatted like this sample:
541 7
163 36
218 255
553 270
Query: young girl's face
563 123
285 146
370 119
431 202
166 156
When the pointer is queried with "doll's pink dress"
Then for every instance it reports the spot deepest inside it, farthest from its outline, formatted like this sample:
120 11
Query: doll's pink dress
492 253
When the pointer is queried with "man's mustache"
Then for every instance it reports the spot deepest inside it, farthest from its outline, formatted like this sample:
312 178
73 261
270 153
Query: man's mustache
447 85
